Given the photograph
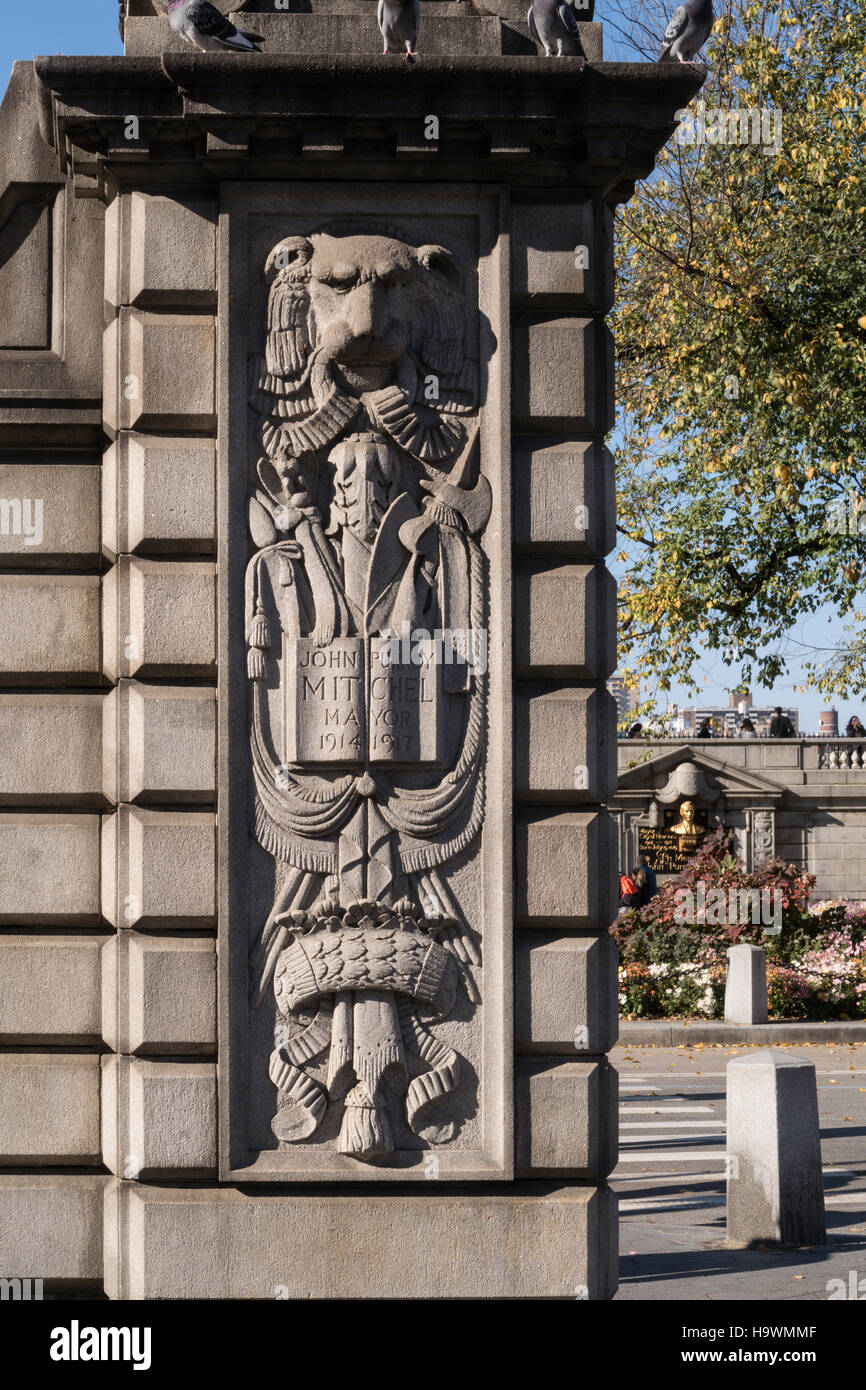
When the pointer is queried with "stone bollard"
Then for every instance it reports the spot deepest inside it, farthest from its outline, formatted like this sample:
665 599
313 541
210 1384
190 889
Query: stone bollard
775 1186
746 985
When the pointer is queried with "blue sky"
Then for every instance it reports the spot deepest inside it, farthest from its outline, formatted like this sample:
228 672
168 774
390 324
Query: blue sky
90 26
716 677
57 26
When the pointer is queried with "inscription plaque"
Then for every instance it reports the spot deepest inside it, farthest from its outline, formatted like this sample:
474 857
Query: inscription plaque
348 702
666 851
324 700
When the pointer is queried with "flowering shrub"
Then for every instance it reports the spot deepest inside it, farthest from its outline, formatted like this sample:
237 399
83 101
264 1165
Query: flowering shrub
674 968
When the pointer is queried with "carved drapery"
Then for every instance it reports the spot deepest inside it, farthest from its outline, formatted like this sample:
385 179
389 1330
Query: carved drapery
366 628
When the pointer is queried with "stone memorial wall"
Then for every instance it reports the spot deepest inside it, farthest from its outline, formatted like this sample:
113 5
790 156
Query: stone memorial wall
306 873
803 799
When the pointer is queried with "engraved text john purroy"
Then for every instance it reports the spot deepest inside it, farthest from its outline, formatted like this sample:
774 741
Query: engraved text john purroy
343 705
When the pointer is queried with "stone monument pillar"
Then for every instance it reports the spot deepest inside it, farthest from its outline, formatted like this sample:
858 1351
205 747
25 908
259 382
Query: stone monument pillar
305 727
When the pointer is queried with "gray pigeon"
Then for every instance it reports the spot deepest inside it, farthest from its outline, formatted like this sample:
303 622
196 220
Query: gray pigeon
201 24
399 21
553 23
688 31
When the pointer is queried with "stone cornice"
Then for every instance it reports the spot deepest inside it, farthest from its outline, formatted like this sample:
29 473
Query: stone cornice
203 117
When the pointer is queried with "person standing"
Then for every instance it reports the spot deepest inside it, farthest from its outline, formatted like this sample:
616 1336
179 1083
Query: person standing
854 729
650 879
629 892
747 729
780 725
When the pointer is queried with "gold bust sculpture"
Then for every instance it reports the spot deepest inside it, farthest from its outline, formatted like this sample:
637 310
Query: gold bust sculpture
686 824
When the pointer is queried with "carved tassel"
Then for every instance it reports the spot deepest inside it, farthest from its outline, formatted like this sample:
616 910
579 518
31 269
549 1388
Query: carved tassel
365 1132
256 669
259 633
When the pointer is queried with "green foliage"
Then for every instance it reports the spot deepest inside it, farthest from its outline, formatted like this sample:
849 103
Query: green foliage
816 965
741 337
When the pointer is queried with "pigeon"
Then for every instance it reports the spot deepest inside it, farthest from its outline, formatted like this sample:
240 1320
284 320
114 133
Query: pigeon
688 31
398 21
201 24
553 23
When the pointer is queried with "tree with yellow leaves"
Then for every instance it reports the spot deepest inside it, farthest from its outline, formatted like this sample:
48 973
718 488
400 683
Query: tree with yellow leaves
741 342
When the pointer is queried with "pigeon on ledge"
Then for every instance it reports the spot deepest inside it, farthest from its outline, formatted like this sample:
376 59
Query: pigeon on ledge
399 21
687 32
553 24
201 24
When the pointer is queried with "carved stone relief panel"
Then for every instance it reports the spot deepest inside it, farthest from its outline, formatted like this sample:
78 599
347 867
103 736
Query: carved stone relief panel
763 836
365 803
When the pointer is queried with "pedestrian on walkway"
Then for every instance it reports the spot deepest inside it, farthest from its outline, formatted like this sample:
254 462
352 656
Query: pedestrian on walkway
854 729
780 725
629 893
705 729
651 880
747 729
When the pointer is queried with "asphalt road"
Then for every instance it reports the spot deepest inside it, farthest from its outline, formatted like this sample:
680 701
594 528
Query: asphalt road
671 1179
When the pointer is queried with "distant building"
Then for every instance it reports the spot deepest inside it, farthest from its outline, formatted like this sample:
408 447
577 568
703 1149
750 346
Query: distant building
626 700
828 723
726 721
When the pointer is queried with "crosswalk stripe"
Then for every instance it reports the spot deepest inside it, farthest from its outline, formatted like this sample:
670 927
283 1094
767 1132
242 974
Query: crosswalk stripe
666 1110
669 1124
694 1156
647 1204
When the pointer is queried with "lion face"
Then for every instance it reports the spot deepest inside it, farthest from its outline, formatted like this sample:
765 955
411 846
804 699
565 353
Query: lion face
362 302
361 294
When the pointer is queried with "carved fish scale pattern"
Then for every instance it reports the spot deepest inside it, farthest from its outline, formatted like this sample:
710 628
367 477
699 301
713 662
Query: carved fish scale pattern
390 957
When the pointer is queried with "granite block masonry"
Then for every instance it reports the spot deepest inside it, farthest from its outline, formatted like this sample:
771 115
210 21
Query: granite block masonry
307 772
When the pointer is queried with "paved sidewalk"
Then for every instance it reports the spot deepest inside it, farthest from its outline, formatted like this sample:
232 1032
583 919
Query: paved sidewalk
677 1255
669 1033
671 1185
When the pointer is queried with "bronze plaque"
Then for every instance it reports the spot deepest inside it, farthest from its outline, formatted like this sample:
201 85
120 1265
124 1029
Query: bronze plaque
667 852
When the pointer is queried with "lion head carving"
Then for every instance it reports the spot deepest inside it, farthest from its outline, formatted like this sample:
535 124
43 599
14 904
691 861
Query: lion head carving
358 316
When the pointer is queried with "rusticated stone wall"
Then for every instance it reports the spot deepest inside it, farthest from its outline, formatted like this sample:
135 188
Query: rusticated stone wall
154 882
